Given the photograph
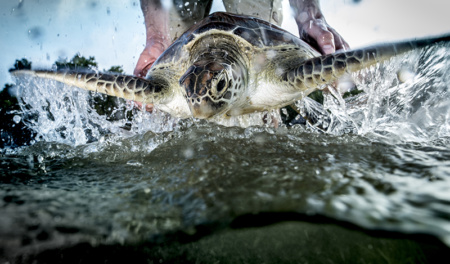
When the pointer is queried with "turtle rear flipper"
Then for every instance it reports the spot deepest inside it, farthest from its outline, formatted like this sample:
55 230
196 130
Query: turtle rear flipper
124 86
315 72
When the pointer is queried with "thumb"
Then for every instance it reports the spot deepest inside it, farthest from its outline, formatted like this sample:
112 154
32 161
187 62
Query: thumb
144 63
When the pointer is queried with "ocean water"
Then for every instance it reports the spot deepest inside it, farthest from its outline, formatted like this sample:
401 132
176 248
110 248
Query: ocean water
369 181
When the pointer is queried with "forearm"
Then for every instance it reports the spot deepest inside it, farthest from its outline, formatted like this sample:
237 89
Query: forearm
156 22
305 10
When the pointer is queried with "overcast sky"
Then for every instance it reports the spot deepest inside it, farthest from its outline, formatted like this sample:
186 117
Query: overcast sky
113 31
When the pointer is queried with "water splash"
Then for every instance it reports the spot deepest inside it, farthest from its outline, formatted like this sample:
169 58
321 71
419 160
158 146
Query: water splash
63 114
414 110
405 99
392 106
59 113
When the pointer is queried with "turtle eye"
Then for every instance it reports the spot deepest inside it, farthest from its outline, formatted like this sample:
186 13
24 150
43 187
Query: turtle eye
221 85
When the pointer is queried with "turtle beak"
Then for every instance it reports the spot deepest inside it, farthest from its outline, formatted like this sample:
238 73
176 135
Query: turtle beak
203 109
199 104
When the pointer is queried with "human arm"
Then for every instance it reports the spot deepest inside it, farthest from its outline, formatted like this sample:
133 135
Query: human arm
313 27
156 20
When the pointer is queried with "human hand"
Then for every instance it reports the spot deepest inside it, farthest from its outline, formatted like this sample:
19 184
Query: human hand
317 33
314 29
148 56
151 52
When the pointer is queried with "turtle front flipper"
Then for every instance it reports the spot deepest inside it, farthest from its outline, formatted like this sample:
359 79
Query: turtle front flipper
313 73
128 87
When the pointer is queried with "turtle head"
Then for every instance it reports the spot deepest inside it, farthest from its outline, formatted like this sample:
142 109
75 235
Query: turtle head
209 88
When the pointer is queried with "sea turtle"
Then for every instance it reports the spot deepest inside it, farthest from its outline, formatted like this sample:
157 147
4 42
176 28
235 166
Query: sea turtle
231 65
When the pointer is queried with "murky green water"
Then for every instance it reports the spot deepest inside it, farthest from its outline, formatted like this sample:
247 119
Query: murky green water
381 167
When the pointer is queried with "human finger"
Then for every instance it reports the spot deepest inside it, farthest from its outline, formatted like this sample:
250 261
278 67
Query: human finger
339 42
148 107
319 32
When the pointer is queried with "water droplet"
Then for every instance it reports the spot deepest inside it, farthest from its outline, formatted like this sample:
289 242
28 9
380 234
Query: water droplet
17 119
405 74
279 71
134 163
188 153
260 140
271 54
345 84
35 33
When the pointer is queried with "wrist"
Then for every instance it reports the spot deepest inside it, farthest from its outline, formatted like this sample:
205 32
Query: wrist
157 40
307 14
305 11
